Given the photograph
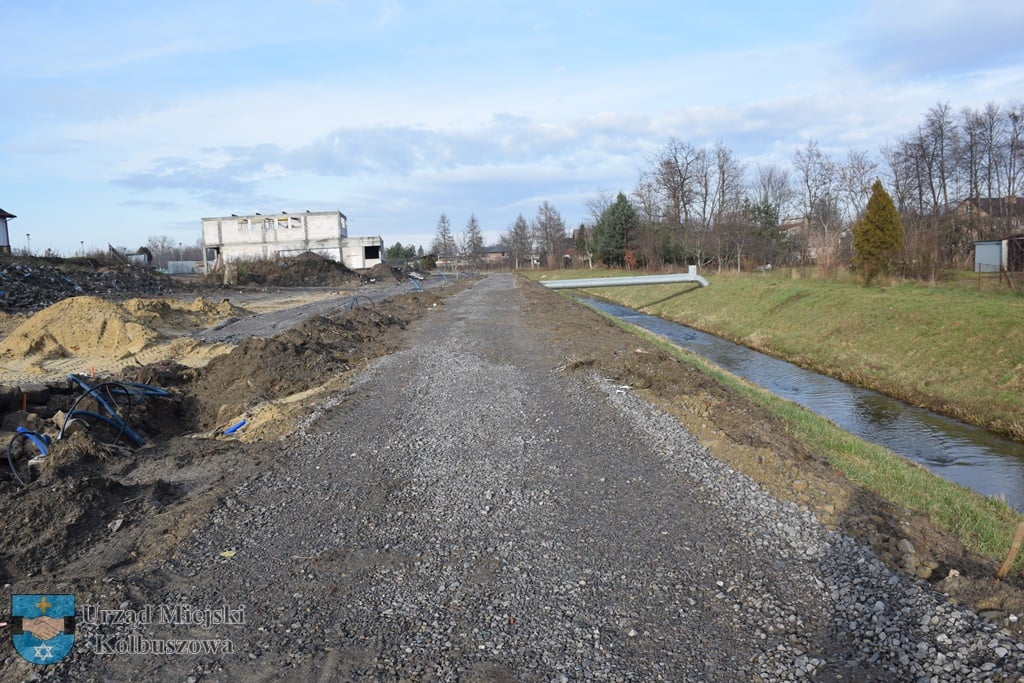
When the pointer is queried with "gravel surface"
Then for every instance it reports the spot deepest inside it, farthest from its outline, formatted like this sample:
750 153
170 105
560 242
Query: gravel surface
467 512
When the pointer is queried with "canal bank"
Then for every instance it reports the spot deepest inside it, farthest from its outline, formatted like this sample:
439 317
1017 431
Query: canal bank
951 348
962 453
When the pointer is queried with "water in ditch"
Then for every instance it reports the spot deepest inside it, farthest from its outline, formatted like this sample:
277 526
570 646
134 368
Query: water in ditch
962 453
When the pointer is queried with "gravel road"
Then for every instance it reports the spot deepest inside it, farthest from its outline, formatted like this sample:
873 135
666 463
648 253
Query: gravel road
467 512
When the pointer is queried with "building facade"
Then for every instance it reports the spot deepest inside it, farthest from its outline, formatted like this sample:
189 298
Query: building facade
256 237
5 239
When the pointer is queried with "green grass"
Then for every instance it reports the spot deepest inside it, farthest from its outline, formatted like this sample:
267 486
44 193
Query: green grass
984 525
955 348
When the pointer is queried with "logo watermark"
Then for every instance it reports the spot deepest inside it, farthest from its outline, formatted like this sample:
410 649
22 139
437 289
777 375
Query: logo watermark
43 628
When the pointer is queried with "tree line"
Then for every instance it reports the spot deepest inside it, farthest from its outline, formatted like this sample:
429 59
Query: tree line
700 204
543 240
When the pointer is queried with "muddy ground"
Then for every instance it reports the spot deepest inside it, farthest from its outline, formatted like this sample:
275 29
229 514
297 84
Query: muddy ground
100 509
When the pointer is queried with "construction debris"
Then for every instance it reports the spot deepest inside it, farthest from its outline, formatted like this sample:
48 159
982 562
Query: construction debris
29 287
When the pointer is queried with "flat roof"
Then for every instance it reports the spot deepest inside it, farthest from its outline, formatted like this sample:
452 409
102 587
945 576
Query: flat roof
272 215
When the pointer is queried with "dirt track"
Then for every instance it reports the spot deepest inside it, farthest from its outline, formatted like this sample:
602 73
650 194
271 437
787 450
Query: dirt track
480 507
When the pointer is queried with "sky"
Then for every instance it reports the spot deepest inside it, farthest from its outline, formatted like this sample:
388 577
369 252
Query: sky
125 120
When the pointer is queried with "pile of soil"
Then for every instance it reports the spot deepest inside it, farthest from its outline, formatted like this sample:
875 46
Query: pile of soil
383 271
171 314
31 285
305 270
78 326
87 326
302 358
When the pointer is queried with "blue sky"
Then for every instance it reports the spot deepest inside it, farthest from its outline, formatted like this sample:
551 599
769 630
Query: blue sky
124 120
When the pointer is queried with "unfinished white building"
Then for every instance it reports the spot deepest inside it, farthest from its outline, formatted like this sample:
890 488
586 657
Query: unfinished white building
235 238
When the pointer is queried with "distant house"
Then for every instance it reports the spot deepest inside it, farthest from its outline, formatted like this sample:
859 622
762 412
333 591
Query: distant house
495 254
985 217
5 239
232 238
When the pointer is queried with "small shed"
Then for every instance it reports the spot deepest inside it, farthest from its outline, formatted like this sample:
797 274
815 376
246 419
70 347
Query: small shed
993 256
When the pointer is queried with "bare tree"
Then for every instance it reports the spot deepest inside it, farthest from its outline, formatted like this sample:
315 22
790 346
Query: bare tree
162 248
549 233
1014 155
940 138
856 177
770 200
519 241
773 187
971 153
655 242
674 178
597 204
818 174
993 123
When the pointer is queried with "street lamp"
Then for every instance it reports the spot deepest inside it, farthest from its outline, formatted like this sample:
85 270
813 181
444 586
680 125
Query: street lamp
28 238
82 242
179 251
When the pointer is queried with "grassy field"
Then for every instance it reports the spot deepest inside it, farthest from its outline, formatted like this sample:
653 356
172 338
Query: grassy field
952 348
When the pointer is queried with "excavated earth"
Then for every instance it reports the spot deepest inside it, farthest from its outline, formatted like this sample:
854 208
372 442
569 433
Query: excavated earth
192 512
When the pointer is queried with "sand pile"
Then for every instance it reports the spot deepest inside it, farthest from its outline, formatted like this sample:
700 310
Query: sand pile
89 327
79 326
178 315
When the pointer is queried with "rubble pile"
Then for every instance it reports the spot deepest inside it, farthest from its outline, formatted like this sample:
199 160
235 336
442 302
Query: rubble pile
383 272
305 270
30 287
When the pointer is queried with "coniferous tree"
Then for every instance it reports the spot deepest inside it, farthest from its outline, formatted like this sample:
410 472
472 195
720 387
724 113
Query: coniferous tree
616 225
474 240
519 240
878 237
444 241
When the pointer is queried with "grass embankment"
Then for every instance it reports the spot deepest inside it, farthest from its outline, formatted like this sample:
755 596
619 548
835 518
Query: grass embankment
953 349
947 348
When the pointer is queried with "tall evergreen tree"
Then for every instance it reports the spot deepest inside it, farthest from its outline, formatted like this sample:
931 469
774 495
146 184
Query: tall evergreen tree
519 241
878 237
474 240
444 241
613 230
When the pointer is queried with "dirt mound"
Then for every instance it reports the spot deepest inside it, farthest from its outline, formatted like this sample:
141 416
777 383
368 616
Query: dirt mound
79 326
81 497
382 271
90 327
299 359
305 270
174 314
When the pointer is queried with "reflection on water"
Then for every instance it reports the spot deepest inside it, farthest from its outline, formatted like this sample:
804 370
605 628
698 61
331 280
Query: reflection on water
959 452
